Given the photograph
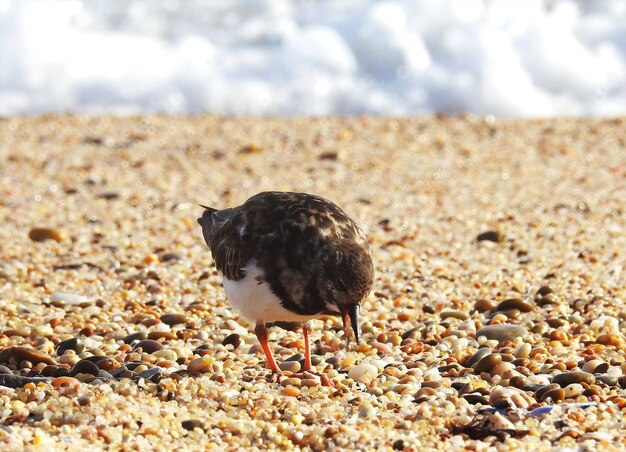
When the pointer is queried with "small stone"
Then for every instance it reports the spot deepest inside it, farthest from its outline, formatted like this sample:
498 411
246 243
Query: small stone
573 390
291 391
554 395
167 354
290 366
232 339
292 381
192 424
609 380
363 370
153 374
172 257
483 305
109 195
84 367
455 314
480 354
173 319
476 398
366 411
592 365
329 155
523 351
200 365
545 290
70 344
515 303
148 346
412 332
122 372
609 339
24 354
490 236
4 370
487 363
576 376
18 381
65 298
502 332
43 234
139 335
507 398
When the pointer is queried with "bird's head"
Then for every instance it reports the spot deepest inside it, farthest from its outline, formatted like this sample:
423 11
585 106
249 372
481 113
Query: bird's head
346 274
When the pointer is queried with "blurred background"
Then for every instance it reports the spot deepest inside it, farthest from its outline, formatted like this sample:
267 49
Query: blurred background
302 57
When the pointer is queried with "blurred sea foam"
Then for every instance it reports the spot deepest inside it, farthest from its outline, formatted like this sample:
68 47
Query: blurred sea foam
326 57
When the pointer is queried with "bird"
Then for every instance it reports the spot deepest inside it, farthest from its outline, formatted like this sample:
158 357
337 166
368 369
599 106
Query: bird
289 258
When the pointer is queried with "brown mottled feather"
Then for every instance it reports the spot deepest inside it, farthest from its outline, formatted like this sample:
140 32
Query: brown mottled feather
239 234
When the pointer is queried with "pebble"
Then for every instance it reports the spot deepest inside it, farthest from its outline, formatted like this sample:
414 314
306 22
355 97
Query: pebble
490 236
595 365
60 299
366 411
19 381
139 335
290 366
43 234
64 382
233 339
480 354
24 354
455 314
84 367
291 391
153 374
167 354
501 333
201 365
505 398
70 344
192 424
148 346
172 257
573 390
484 305
5 370
487 363
109 195
554 395
173 319
363 370
515 303
576 376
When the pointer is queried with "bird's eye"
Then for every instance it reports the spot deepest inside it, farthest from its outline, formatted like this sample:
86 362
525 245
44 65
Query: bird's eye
341 285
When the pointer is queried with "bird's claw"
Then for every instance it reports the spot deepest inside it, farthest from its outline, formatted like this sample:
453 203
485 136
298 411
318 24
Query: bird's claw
312 374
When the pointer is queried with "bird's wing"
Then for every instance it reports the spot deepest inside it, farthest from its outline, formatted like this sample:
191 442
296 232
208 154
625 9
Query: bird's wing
282 211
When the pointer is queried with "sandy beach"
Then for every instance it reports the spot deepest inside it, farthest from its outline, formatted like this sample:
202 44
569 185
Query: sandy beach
497 316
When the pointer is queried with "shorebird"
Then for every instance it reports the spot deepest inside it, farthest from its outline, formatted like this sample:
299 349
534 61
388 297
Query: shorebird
290 257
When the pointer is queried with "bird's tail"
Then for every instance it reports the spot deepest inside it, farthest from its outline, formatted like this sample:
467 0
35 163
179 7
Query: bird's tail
210 209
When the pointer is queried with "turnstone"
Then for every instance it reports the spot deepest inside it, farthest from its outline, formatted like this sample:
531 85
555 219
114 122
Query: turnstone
290 257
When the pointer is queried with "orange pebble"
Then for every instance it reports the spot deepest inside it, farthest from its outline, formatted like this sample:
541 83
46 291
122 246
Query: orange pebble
291 391
63 382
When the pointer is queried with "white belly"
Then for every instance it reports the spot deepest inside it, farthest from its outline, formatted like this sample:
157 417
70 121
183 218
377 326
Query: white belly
254 300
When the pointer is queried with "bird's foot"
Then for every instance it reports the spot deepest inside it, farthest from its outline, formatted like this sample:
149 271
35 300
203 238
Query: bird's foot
274 377
315 375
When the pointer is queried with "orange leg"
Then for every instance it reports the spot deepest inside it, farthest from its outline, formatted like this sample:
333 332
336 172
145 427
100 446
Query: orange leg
306 329
307 367
262 333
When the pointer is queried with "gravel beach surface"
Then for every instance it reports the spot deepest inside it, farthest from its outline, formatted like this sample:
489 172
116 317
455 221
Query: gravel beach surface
497 316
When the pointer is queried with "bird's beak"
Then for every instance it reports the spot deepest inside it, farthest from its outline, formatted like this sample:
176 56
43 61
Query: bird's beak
350 315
